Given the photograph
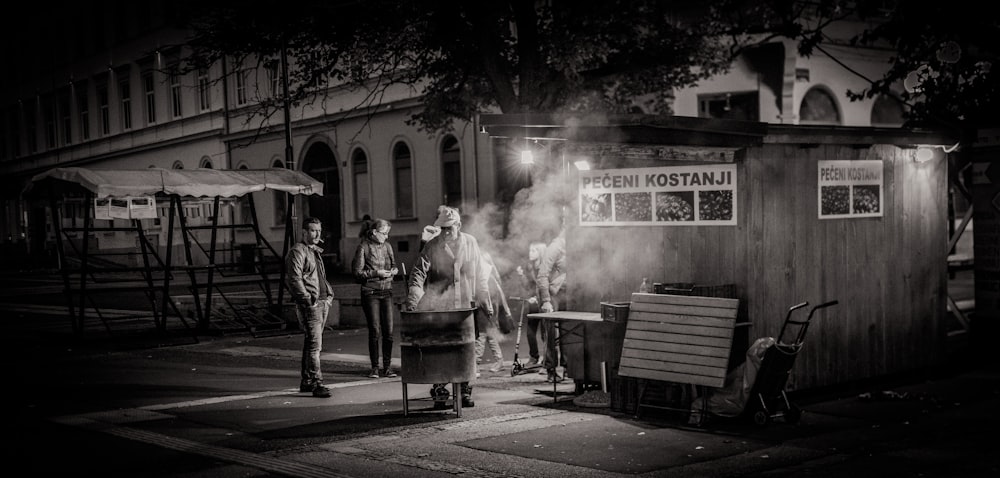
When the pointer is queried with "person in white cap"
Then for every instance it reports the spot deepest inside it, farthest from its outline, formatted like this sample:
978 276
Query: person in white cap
447 275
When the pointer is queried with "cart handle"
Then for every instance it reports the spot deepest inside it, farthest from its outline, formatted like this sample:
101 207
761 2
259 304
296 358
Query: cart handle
821 306
793 308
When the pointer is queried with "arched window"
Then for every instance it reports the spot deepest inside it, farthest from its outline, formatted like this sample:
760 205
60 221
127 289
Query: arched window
451 172
206 162
280 199
819 106
178 165
402 165
362 193
887 111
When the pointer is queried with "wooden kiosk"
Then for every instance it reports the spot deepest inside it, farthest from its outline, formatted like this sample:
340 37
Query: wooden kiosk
785 213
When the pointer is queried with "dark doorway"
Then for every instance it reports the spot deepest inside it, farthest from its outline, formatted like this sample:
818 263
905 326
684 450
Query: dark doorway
321 164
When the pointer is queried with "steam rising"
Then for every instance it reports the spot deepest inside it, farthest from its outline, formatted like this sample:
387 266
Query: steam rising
594 254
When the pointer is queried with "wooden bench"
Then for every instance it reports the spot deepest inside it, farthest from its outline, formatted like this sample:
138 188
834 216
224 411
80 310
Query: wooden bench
680 339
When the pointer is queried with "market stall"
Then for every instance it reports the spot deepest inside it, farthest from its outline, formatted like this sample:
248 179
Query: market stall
784 213
144 218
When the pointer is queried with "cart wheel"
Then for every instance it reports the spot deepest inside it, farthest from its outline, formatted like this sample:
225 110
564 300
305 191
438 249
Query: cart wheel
760 418
793 415
516 369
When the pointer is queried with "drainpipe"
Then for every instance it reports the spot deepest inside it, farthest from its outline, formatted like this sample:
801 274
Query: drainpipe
475 157
289 159
229 156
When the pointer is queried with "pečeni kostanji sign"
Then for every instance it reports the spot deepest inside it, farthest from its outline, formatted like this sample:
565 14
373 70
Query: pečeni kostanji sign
667 196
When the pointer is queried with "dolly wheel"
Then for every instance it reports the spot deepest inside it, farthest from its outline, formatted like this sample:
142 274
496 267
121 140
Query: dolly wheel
760 418
793 415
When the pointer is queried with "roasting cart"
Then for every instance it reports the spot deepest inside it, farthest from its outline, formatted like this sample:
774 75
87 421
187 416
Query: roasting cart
437 346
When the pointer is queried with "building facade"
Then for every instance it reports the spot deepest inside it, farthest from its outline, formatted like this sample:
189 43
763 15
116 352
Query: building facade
98 93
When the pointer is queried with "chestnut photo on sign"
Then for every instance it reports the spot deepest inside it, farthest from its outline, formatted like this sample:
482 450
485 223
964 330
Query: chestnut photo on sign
836 200
675 206
715 205
866 199
633 207
595 207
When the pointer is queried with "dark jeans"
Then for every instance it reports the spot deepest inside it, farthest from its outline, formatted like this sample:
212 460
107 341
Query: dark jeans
378 314
551 358
532 331
312 321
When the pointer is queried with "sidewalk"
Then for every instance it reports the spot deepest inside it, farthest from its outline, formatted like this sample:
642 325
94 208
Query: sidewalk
230 412
229 406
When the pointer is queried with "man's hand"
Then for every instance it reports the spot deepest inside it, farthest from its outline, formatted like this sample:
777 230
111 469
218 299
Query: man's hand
532 300
547 307
520 271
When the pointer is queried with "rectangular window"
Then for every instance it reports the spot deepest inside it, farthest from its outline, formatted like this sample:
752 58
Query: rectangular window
105 109
241 87
204 90
3 140
15 128
149 91
273 72
451 169
67 118
175 95
125 91
404 181
362 196
737 106
49 114
31 127
280 207
83 109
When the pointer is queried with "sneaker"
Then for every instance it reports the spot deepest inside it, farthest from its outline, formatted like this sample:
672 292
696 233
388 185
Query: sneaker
532 362
306 388
440 397
497 366
388 373
373 373
321 391
553 377
542 371
467 402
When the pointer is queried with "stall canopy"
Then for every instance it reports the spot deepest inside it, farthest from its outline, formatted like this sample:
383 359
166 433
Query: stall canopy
182 182
92 274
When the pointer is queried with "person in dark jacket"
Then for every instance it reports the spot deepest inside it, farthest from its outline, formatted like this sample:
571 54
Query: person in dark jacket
313 295
529 286
551 281
374 266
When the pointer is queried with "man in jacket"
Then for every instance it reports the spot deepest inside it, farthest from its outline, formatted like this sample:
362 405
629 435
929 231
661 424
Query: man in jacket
447 276
552 295
305 276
